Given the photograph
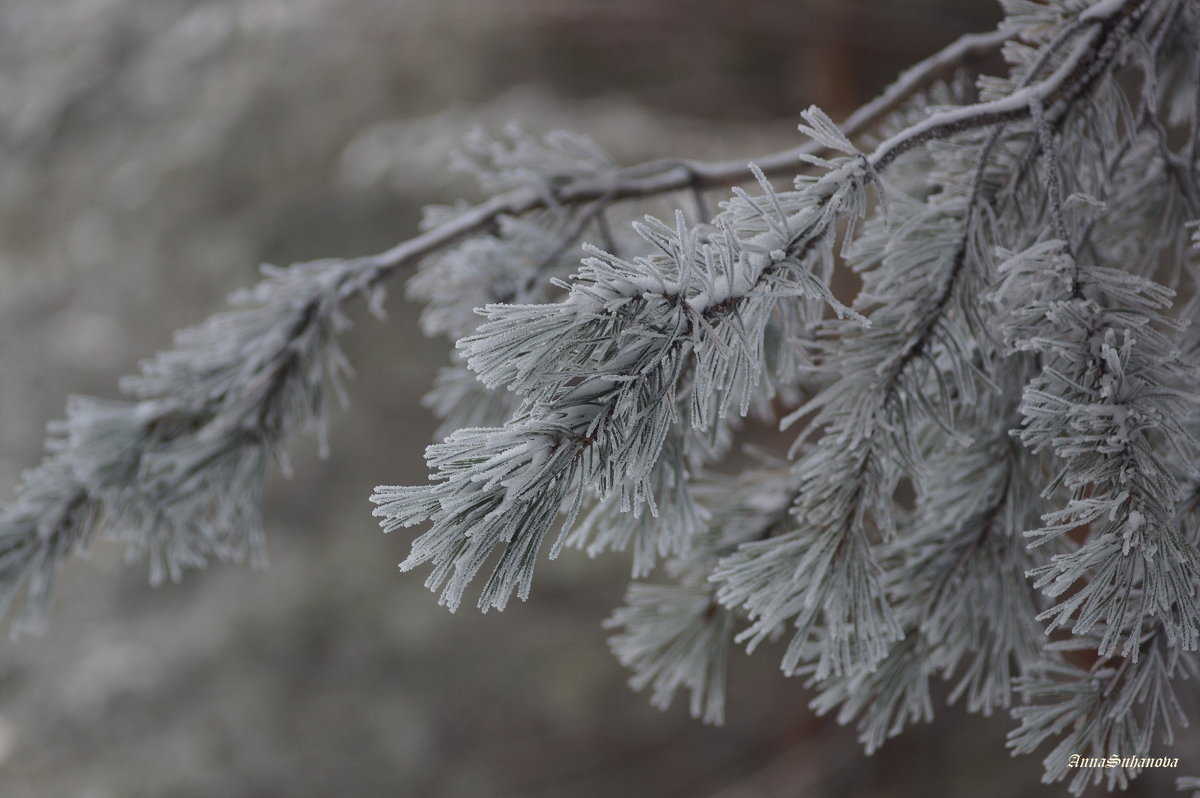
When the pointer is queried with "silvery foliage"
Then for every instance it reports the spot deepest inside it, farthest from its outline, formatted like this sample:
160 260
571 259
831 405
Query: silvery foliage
640 351
995 479
1014 361
177 471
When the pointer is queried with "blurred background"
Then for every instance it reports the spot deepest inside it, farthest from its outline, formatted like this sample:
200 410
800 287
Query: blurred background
153 154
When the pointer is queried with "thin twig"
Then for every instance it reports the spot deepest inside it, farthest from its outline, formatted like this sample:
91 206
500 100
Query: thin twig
664 176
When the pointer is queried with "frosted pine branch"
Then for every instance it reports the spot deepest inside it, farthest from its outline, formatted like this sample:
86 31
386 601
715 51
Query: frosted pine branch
996 469
956 577
678 635
529 348
598 416
62 500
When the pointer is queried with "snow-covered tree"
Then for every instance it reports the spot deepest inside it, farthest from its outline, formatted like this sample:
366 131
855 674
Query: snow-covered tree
972 300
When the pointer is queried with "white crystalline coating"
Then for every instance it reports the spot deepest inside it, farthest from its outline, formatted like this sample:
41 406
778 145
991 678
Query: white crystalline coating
997 464
179 471
948 349
601 371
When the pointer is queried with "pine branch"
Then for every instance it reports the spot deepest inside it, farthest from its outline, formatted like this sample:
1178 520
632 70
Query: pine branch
678 635
1118 704
1111 384
636 325
956 578
599 371
169 504
1115 706
986 447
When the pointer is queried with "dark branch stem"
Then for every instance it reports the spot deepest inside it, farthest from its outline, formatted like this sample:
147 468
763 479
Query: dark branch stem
663 177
